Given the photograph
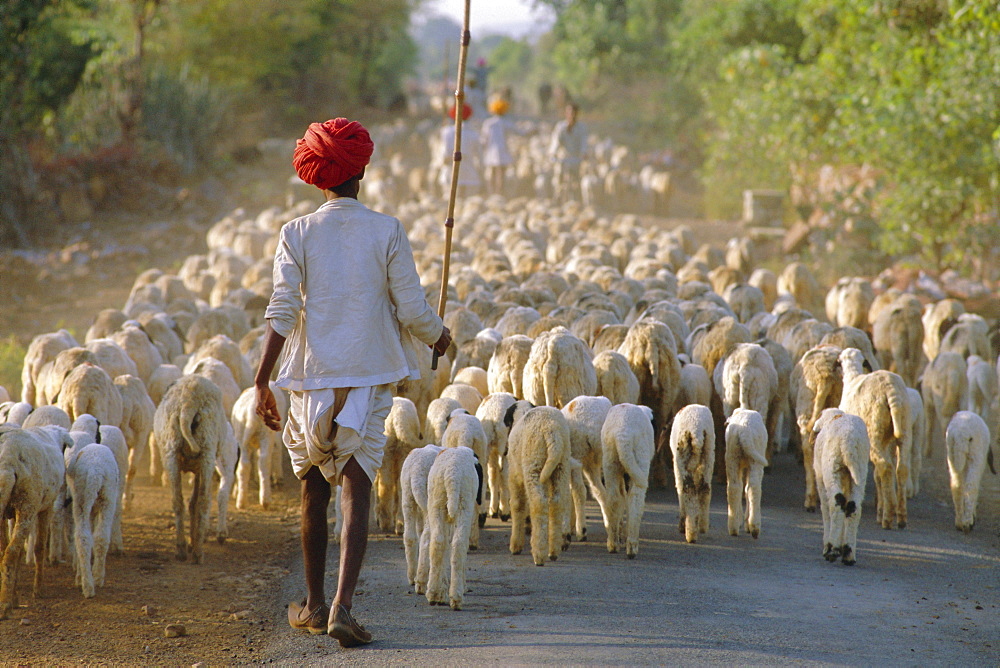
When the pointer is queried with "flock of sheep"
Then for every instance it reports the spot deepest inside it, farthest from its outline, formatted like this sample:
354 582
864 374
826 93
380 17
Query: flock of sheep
591 355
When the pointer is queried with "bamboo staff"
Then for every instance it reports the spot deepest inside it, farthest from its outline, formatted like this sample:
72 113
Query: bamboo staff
456 163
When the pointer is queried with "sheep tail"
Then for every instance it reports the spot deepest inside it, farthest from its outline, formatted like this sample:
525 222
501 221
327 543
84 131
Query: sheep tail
553 459
7 481
451 492
626 455
190 418
746 396
898 407
653 357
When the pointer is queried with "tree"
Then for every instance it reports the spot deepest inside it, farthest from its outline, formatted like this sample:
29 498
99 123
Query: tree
43 62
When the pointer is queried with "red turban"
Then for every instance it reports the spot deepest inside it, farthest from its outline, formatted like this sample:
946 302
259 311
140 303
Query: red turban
466 112
331 153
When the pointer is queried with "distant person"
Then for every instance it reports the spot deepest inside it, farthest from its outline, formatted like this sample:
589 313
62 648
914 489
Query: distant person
475 97
567 150
496 154
544 97
347 299
469 181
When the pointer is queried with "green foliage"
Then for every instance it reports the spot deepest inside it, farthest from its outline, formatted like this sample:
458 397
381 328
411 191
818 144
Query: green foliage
11 361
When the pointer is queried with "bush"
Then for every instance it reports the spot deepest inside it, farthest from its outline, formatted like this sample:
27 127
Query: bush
11 360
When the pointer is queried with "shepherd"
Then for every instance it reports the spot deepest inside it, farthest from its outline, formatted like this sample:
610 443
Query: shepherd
347 301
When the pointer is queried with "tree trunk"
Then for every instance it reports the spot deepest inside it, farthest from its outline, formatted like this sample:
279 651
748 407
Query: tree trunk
18 183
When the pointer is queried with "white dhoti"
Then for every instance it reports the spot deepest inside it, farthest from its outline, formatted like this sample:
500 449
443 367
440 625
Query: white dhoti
318 434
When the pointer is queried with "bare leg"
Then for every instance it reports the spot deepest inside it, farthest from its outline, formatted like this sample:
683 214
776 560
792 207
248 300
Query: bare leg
356 500
315 498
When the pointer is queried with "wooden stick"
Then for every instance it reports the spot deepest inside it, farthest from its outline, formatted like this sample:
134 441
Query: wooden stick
456 163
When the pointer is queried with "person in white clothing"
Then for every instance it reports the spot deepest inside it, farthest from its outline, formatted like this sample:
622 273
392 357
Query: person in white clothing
469 181
346 303
567 150
496 155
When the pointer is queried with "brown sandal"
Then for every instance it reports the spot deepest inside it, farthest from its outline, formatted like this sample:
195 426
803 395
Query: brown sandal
314 623
346 629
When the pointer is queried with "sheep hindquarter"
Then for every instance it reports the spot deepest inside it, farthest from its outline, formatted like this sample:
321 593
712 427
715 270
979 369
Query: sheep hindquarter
92 475
880 399
968 442
840 461
538 451
746 457
402 431
413 490
454 487
31 477
628 445
188 428
692 442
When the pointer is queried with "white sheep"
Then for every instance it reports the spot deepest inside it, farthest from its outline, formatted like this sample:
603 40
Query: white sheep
140 348
538 458
817 383
615 378
505 372
692 442
32 475
88 389
918 427
559 368
218 372
466 395
226 462
491 413
162 377
224 349
746 379
982 386
15 412
474 376
968 442
454 489
188 429
94 482
627 443
466 430
47 415
585 417
746 457
413 490
402 431
840 464
257 444
85 430
945 389
436 421
41 351
136 425
880 399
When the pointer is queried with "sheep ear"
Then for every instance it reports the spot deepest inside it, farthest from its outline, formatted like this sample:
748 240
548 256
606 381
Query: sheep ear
866 365
97 436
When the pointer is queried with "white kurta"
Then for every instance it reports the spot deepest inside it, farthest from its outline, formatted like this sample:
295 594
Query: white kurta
494 138
347 298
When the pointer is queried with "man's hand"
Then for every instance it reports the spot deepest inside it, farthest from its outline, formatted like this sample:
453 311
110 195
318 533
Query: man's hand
267 407
441 346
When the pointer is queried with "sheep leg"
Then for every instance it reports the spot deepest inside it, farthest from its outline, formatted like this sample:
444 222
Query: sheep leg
538 509
222 500
102 537
117 544
383 516
177 502
41 544
755 480
592 474
579 494
704 503
493 475
156 471
459 551
200 506
885 488
134 455
423 558
613 502
636 505
439 546
23 526
901 477
82 512
517 515
825 508
852 518
807 443
734 491
265 461
244 471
